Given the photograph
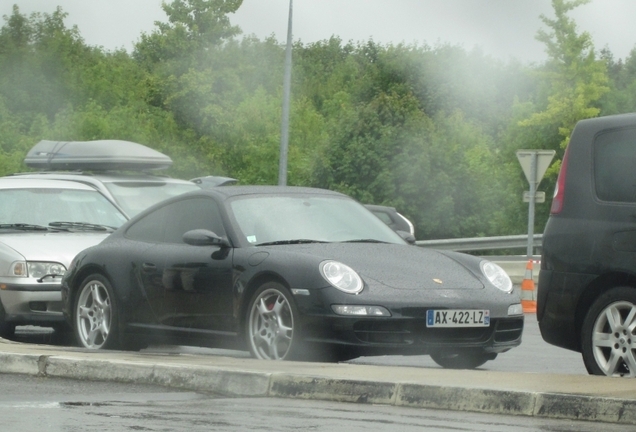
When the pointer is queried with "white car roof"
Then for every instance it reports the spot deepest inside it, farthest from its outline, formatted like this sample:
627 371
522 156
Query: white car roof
21 183
102 177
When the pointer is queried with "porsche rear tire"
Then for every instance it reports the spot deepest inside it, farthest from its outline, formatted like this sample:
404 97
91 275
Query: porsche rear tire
95 314
463 359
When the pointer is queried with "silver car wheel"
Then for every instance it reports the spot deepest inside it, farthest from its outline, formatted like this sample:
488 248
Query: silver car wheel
614 339
270 327
93 315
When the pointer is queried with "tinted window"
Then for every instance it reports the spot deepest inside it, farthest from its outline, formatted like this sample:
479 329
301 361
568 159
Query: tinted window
384 217
167 224
615 165
134 197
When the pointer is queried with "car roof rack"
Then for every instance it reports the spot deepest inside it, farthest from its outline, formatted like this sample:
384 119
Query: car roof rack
98 155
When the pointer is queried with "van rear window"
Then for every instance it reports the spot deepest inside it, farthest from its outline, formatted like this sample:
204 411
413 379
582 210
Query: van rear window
615 165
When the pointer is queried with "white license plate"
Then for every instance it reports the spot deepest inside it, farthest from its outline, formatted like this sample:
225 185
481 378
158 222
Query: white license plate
457 318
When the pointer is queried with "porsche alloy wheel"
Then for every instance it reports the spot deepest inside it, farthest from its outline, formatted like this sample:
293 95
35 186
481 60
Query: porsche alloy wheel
608 336
272 323
94 314
464 359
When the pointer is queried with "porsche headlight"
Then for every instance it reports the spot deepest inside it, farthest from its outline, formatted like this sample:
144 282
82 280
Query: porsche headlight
355 310
36 269
341 276
496 275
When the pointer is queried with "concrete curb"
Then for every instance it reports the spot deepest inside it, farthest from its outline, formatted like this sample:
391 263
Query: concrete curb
245 383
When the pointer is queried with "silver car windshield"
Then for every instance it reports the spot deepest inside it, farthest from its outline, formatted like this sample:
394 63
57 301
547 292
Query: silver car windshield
135 197
41 207
297 219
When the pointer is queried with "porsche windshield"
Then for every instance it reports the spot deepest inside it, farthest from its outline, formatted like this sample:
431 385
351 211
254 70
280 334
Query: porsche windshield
296 218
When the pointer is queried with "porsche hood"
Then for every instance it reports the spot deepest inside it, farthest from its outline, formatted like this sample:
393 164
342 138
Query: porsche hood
399 266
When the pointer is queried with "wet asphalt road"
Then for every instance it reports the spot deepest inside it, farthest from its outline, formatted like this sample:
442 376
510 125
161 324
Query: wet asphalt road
29 403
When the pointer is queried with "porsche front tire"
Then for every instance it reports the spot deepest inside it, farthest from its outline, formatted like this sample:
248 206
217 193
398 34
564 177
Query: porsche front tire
273 324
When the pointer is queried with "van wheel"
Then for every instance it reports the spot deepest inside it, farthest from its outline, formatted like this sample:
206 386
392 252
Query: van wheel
608 336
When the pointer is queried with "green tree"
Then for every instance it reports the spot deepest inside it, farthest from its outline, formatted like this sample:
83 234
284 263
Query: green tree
429 130
622 82
575 77
412 127
54 86
192 69
36 55
193 27
571 84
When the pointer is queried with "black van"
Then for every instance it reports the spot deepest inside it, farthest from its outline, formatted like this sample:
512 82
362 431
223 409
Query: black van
586 297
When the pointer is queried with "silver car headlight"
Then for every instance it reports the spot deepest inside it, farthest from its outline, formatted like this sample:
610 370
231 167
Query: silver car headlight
496 275
341 276
36 269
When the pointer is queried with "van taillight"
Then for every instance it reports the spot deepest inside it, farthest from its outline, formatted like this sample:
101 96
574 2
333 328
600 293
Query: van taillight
559 191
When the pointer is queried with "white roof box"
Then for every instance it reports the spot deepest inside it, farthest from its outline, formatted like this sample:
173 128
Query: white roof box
97 155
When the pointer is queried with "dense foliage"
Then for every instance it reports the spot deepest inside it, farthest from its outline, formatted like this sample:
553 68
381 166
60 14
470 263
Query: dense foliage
430 130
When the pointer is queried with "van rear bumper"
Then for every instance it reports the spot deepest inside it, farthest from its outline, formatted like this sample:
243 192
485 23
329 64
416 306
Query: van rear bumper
557 297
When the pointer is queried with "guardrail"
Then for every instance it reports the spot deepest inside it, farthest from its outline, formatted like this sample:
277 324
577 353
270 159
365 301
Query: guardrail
514 265
483 243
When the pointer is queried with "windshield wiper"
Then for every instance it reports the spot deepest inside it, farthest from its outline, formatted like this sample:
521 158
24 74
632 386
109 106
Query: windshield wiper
24 227
81 226
364 241
288 242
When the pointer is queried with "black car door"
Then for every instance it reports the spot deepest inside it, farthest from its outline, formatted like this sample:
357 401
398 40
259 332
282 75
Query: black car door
187 287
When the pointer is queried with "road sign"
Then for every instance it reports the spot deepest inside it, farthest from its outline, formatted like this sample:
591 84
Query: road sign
544 157
539 197
534 164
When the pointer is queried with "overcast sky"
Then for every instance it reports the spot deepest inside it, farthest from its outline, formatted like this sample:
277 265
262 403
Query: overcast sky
501 28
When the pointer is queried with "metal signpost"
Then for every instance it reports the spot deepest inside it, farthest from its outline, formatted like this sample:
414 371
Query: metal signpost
534 164
284 128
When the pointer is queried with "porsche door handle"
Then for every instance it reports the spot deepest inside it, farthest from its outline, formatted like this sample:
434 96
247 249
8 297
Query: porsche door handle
148 267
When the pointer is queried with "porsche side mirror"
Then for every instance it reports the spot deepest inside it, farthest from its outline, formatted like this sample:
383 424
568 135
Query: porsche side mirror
203 237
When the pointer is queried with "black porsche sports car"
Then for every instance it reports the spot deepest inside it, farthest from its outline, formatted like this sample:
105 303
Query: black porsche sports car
289 273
